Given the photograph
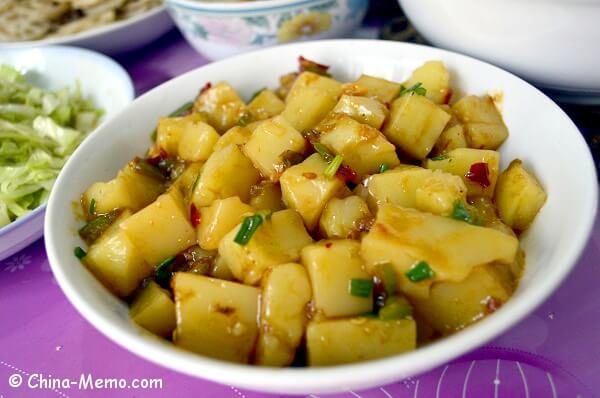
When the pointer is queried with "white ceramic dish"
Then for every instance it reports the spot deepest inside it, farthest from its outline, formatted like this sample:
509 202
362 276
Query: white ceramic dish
220 29
553 43
101 78
541 134
111 39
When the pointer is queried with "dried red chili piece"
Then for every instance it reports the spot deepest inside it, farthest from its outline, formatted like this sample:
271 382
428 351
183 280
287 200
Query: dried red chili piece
479 173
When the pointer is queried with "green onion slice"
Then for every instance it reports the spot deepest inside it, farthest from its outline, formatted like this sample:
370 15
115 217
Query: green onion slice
244 119
388 277
395 308
333 167
92 208
361 287
383 168
440 157
141 166
182 109
420 272
92 230
248 228
163 271
79 252
323 151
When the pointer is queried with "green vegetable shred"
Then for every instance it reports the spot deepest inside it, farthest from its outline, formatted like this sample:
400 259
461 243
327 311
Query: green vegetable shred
333 167
361 287
248 228
420 272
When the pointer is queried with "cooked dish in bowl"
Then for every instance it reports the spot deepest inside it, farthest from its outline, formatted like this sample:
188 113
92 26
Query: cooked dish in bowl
320 223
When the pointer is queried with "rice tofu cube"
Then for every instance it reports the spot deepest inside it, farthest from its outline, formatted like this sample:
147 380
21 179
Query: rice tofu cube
154 310
435 78
306 189
197 142
117 263
222 106
215 318
342 218
277 240
415 124
461 161
286 293
484 127
362 109
341 341
270 142
128 190
265 105
426 190
332 265
310 99
218 219
405 237
170 130
363 147
228 172
381 89
236 135
161 229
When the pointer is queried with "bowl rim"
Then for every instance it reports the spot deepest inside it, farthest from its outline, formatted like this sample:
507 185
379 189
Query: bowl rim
364 374
109 64
258 5
87 34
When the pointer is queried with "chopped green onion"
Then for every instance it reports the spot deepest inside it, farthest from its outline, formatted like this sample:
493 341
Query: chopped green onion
460 212
388 277
92 230
395 308
92 208
361 287
145 168
244 119
248 228
416 88
163 271
182 109
420 272
79 252
440 157
256 94
383 168
333 167
323 151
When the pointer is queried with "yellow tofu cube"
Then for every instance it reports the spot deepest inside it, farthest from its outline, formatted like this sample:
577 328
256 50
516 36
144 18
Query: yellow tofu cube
269 143
332 265
266 196
222 106
426 190
451 138
161 229
415 124
215 318
286 293
342 341
310 99
236 135
460 161
277 240
185 182
381 89
435 78
484 127
344 218
265 105
154 310
362 109
171 129
197 142
363 147
305 188
405 237
228 172
218 219
519 196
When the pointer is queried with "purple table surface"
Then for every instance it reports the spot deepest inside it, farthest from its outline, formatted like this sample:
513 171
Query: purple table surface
555 352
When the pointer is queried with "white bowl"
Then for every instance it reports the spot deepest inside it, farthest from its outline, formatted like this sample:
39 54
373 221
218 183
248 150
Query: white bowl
541 134
220 29
100 78
553 43
114 38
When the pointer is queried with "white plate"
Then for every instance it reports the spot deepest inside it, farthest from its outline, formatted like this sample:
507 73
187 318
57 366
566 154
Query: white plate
114 38
541 134
101 79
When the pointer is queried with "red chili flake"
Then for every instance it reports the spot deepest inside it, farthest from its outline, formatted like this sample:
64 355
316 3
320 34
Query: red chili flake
328 245
205 88
155 160
447 97
480 174
194 216
346 173
312 66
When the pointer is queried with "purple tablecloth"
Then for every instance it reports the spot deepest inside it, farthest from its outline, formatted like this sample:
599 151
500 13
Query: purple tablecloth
555 352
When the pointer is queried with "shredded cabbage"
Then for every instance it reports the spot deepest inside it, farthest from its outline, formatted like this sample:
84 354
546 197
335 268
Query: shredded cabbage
39 130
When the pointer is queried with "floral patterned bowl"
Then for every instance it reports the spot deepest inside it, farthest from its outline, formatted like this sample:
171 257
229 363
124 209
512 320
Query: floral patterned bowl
221 29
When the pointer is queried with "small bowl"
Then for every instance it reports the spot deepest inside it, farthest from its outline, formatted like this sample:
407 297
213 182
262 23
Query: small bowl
100 78
552 43
221 29
540 133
